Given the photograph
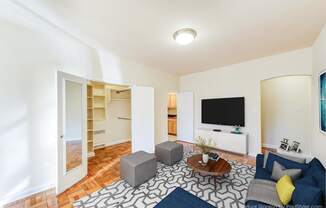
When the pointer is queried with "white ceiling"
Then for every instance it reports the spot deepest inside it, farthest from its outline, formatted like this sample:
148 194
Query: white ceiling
229 31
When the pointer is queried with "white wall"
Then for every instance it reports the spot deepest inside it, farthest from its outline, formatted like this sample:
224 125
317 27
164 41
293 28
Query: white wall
118 130
31 52
244 80
285 110
131 73
319 65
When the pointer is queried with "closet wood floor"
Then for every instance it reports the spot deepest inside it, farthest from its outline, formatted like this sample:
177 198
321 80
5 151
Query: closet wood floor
103 169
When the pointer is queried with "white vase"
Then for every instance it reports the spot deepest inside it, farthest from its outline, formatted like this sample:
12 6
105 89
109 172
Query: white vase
205 158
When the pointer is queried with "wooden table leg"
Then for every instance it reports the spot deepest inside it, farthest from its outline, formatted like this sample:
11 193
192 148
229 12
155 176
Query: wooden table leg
215 179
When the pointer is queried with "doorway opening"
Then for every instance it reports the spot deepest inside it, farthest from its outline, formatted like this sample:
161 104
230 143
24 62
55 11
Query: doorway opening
108 115
285 114
172 116
98 123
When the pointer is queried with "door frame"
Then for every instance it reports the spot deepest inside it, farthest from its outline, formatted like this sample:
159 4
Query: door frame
134 123
67 179
167 114
180 121
60 109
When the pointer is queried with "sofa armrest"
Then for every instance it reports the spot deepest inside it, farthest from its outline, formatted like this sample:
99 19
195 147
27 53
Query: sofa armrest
259 160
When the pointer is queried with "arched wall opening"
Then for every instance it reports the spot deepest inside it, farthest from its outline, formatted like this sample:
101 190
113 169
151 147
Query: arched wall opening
286 111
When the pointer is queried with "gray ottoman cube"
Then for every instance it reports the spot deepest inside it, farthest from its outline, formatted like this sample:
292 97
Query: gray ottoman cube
169 152
138 167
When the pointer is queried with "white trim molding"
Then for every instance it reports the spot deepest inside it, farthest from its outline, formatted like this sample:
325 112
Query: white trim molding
272 146
25 193
117 142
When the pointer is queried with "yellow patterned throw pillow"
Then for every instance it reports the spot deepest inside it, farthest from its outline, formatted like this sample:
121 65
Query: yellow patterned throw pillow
285 188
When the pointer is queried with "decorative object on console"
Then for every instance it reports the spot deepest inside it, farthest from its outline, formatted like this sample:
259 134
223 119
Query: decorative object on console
285 144
322 101
236 130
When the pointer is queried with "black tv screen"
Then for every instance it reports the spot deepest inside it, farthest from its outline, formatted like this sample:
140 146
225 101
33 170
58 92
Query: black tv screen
223 111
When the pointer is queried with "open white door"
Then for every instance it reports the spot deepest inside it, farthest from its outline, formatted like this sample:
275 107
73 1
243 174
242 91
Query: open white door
142 113
72 144
185 116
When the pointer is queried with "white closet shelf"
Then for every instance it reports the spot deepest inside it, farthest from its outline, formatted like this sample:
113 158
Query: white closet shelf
119 99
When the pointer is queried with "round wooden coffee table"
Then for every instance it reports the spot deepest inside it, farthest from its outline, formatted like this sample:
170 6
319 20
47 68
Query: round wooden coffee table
212 168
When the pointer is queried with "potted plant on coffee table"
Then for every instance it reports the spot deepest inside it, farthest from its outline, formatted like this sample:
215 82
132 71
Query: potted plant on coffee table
204 146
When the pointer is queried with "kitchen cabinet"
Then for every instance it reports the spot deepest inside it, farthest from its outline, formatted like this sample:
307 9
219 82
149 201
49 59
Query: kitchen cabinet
172 126
172 103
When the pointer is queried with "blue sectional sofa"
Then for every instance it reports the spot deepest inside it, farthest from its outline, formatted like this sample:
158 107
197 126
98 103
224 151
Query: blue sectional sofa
310 187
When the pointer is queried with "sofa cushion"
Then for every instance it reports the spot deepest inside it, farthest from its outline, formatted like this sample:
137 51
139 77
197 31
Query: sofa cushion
307 195
285 189
262 173
308 180
257 204
317 171
289 164
314 166
295 159
279 171
259 161
320 177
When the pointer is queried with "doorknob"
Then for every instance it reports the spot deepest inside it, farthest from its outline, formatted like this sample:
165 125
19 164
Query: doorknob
61 136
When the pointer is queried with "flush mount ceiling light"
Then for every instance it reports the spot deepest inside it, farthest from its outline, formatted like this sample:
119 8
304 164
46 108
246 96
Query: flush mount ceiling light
185 36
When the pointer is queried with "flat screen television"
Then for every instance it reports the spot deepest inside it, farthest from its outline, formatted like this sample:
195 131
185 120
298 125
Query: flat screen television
223 111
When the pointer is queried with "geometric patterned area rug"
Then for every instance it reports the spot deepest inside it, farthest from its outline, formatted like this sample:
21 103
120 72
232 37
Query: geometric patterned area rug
231 189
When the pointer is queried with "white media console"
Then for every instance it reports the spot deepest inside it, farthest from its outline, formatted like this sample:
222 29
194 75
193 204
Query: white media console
222 140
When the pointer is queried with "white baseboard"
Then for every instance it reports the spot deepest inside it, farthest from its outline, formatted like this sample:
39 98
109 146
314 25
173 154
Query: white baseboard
272 146
25 193
102 145
253 154
117 142
91 154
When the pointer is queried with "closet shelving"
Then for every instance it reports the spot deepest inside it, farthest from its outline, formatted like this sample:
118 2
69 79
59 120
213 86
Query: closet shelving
96 112
90 118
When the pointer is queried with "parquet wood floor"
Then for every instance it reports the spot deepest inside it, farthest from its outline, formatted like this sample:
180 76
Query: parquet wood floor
103 169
